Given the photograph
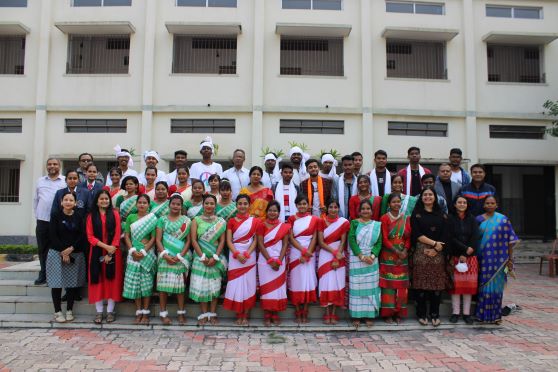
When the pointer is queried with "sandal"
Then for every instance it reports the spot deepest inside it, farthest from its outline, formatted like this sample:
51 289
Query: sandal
304 316
334 319
356 323
436 322
98 318
164 315
275 319
397 319
139 316
202 319
423 321
388 320
212 318
298 315
144 320
181 315
369 322
111 317
327 319
268 319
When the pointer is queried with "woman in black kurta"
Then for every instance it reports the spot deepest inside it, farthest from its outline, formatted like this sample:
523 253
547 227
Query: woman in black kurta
65 266
429 228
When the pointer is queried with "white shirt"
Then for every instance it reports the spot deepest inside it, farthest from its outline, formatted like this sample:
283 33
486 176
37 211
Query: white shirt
129 172
202 172
269 180
161 176
457 177
297 179
238 178
44 195
315 200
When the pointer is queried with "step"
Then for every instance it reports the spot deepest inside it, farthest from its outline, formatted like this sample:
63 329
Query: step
15 287
315 325
23 271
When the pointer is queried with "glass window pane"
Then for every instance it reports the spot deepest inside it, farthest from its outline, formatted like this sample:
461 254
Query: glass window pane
88 2
117 3
13 3
297 4
395 7
190 2
497 11
429 9
222 3
327 4
530 13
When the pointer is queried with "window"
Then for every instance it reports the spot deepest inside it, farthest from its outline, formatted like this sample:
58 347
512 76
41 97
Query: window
102 2
12 55
9 181
13 3
96 125
515 63
513 12
207 3
414 7
517 131
204 54
416 59
312 126
202 125
312 4
311 56
103 54
10 126
404 128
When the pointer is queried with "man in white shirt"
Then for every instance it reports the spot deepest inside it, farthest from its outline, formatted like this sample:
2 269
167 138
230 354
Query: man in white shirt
125 163
285 192
298 161
271 174
151 158
205 168
45 190
180 160
458 174
329 170
237 175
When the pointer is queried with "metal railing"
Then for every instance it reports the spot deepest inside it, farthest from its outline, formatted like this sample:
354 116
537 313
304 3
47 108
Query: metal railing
98 54
204 54
12 55
515 63
9 181
311 56
416 59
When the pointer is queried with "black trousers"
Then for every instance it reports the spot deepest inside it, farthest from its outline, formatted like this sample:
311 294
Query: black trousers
71 294
424 296
42 232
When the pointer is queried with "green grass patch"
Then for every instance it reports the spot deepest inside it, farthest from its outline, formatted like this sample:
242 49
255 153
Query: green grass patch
18 249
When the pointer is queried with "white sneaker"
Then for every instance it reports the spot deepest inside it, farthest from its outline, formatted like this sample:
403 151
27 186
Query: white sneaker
69 316
59 317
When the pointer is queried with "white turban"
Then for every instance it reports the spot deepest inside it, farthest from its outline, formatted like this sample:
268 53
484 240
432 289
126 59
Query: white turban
297 150
151 153
207 142
120 153
333 171
276 172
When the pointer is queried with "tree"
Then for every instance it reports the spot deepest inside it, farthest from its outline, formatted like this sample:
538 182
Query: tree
552 107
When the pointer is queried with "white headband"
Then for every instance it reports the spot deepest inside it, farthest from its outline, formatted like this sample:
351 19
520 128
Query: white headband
295 150
329 157
269 156
151 153
120 153
207 142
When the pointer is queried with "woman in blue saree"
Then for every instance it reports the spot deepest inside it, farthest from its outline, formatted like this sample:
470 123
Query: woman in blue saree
495 259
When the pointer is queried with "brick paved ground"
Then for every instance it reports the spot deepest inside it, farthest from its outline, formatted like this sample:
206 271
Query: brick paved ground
526 341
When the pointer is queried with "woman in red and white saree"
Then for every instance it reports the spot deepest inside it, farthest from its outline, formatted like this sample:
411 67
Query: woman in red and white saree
240 295
273 239
302 281
332 239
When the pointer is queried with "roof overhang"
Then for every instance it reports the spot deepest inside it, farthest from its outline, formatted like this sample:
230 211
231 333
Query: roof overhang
205 28
415 33
529 38
96 28
305 29
13 28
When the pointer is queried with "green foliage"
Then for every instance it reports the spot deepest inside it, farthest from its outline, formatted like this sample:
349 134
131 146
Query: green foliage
303 146
18 249
552 107
266 150
336 154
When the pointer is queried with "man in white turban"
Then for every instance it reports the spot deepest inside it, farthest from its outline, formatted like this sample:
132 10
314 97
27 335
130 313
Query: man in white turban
298 160
206 167
152 159
125 163
271 175
329 170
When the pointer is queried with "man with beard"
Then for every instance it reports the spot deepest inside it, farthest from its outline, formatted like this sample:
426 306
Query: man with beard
318 189
329 170
285 192
271 175
125 163
413 173
298 160
206 167
152 159
346 185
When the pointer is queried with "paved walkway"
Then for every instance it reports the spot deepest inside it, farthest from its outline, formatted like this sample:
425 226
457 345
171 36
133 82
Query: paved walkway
527 341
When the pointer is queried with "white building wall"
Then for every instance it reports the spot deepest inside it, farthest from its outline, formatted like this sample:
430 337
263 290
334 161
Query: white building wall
257 97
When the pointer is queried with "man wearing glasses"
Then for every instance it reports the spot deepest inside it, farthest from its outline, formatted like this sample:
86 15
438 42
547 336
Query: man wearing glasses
84 160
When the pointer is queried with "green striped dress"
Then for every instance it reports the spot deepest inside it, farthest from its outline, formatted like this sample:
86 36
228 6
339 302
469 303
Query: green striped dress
170 278
205 281
364 290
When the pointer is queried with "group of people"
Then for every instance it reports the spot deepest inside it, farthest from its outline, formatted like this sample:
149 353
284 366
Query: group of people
294 231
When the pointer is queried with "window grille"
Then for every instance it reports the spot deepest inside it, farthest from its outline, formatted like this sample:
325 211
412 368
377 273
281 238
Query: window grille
312 126
208 3
416 59
204 54
414 7
12 55
517 131
203 125
311 56
96 125
515 63
10 126
9 181
98 54
403 128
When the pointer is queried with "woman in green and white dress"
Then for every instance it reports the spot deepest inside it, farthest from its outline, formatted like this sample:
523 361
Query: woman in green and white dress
139 237
173 244
160 204
209 265
226 208
194 206
126 204
408 202
365 242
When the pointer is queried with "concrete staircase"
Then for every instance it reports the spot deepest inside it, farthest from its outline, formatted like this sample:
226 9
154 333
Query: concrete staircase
24 304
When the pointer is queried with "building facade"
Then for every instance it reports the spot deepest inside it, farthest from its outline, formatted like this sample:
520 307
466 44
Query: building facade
84 75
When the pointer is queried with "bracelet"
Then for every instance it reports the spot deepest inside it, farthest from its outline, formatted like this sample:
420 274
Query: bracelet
132 250
181 258
434 245
235 254
270 261
335 252
279 262
373 256
144 252
203 257
216 258
246 254
303 252
163 253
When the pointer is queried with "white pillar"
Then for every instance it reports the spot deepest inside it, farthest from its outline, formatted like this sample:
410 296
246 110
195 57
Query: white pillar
257 83
147 89
471 150
367 144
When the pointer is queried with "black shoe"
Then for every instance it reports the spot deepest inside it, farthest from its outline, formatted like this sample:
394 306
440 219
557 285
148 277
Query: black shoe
64 298
40 281
468 319
454 318
78 298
